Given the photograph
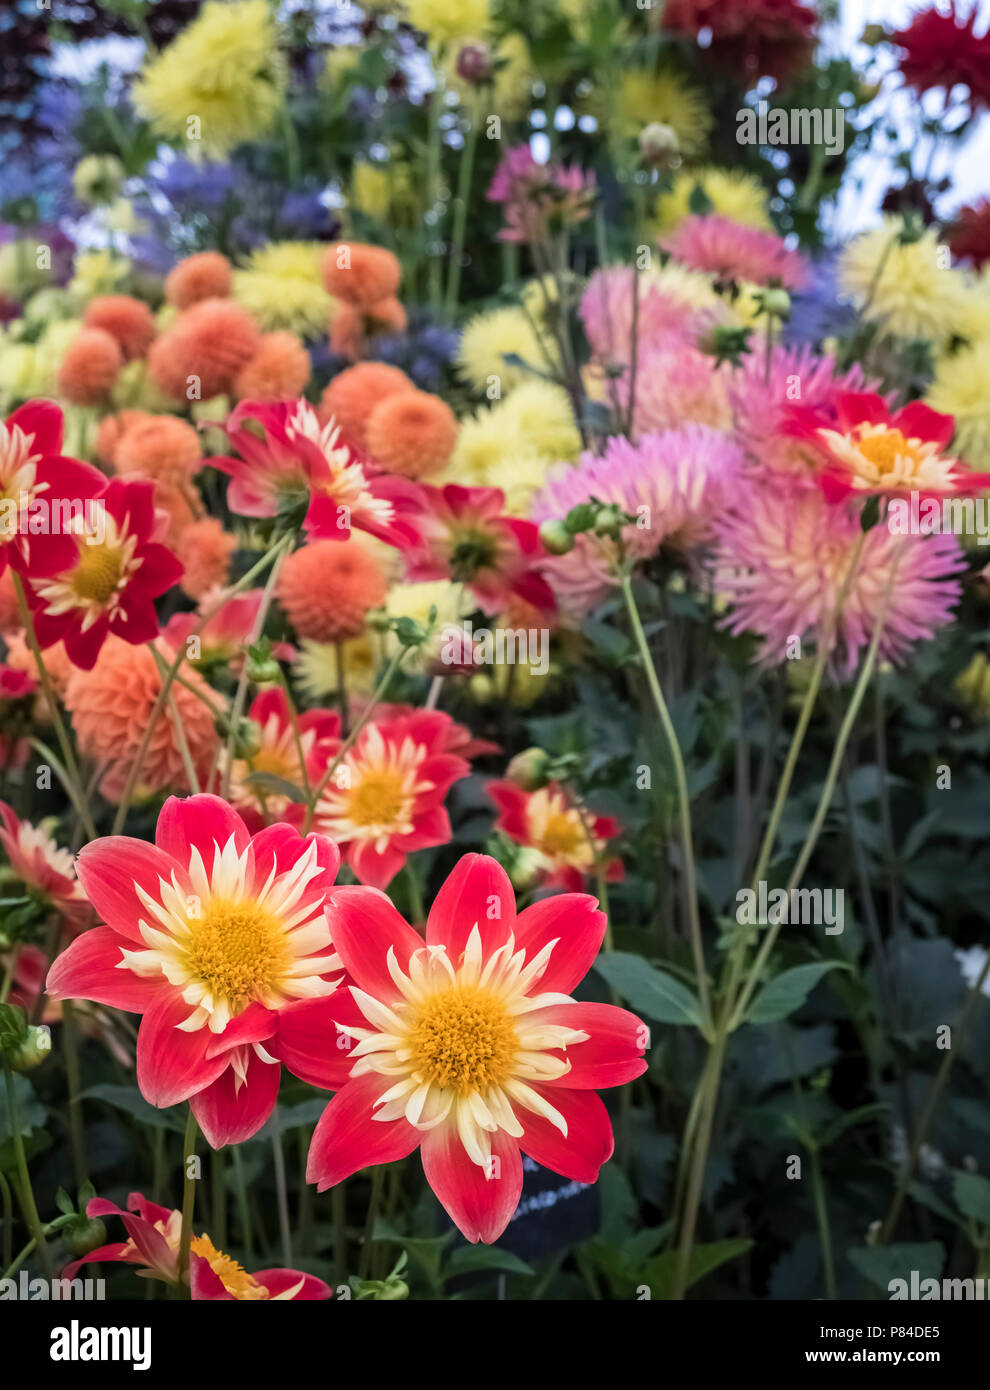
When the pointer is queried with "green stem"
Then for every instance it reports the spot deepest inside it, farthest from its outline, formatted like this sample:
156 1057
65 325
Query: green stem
188 1196
377 1184
77 1135
464 177
281 1191
25 1192
824 1227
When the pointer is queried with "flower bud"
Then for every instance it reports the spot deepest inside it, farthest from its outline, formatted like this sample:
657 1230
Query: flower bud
529 769
556 538
84 1236
34 1049
776 301
659 145
475 65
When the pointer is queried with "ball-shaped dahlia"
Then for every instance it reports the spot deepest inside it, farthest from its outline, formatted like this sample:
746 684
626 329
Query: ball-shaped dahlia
204 548
352 326
126 319
111 431
201 354
279 370
412 433
328 587
111 707
206 275
781 559
160 447
90 367
359 274
355 392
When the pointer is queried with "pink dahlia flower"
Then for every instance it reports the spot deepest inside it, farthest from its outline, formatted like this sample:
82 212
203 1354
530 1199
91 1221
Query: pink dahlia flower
210 934
468 1044
732 251
679 386
153 1238
302 466
782 557
315 735
42 866
385 799
610 303
548 823
673 483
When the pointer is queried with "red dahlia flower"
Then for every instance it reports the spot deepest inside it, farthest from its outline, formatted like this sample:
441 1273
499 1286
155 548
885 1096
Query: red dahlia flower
112 580
290 461
386 797
40 491
468 538
940 48
468 1044
210 934
754 38
548 824
40 865
315 735
867 450
970 235
153 1236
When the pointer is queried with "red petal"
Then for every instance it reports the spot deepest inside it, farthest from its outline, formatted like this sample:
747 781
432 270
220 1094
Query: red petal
309 1043
229 1116
173 1065
477 892
109 869
613 1053
204 822
479 1206
572 918
279 1280
348 1137
88 969
589 1141
364 924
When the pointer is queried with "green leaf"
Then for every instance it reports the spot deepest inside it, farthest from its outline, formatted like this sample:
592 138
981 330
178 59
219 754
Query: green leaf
29 1110
972 1194
650 991
268 782
659 1273
880 1264
132 1102
469 1258
788 991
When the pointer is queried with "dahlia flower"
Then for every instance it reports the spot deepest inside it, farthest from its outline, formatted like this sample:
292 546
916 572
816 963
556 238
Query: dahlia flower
385 799
903 286
204 550
752 38
282 288
940 49
354 393
153 1238
411 433
674 483
36 860
467 536
468 1044
128 320
36 481
360 274
645 96
282 754
761 400
731 192
969 238
608 309
230 629
732 251
783 554
210 933
961 388
327 590
679 386
226 68
205 275
868 450
116 574
207 346
490 337
538 198
547 822
300 464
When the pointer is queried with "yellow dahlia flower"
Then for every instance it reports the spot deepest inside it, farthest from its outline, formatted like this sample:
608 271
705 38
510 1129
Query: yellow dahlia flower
491 336
315 668
961 387
910 289
282 287
665 96
223 71
449 21
543 418
730 192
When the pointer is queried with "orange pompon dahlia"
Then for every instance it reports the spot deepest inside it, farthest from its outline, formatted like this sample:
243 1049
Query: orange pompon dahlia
207 275
112 430
354 393
204 548
126 319
412 433
204 350
173 502
90 367
327 589
352 326
279 370
162 447
111 707
360 274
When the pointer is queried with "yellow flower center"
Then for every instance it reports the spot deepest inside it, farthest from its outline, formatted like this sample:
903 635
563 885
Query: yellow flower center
239 950
97 573
887 449
563 834
464 1039
275 762
378 799
233 1276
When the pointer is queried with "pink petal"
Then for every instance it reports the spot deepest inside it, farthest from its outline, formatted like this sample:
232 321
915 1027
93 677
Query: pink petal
613 1053
589 1141
229 1116
348 1137
202 821
477 893
255 1024
277 1281
480 1207
87 969
574 920
173 1065
309 1043
283 846
110 868
363 925
205 1285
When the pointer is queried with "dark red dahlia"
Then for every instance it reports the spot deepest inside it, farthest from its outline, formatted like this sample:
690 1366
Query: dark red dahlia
941 49
752 38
